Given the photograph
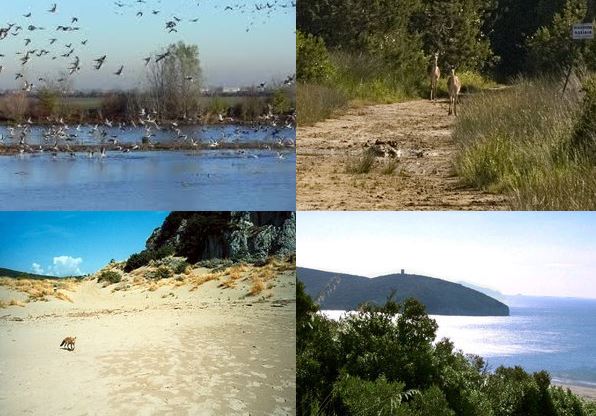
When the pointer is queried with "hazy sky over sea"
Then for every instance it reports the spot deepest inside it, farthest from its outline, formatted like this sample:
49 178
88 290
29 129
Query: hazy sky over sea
532 253
72 243
230 55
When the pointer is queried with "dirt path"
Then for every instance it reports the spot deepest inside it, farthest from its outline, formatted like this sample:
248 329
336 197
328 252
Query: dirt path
423 180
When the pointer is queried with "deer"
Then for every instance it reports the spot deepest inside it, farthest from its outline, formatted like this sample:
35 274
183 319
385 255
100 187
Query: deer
434 75
454 86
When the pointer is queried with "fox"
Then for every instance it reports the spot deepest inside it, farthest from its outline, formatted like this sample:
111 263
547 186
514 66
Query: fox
69 343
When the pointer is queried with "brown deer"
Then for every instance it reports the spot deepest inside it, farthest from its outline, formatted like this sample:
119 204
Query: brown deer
434 75
454 86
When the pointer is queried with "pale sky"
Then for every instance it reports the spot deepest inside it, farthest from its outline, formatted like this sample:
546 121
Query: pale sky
535 253
239 44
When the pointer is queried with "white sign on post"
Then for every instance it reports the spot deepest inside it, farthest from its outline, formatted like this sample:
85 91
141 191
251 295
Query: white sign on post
582 31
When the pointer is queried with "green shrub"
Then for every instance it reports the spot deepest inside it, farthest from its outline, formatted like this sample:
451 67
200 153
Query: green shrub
312 59
162 272
318 102
378 397
137 260
181 267
281 102
109 276
215 263
144 257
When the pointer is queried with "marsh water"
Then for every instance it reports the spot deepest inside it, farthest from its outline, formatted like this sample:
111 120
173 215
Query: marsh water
224 133
557 335
259 178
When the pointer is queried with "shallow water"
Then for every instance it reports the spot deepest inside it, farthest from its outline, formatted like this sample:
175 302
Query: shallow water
222 133
161 180
554 335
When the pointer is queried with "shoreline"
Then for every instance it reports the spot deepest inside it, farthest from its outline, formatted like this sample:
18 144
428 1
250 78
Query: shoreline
13 149
581 390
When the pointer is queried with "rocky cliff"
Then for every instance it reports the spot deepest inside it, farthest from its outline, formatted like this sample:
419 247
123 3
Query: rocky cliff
240 236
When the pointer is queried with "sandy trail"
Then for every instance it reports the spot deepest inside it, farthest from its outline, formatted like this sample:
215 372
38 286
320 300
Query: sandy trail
423 180
172 351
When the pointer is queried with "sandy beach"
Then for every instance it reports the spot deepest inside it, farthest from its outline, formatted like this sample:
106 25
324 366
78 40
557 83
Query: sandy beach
588 393
147 350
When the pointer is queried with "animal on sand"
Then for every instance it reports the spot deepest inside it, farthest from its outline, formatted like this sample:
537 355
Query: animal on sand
69 343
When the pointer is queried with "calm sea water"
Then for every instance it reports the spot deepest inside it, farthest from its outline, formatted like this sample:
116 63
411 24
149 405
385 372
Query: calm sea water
557 335
208 180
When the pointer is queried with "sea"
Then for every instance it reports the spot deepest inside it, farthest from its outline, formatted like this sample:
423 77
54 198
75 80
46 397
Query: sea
553 334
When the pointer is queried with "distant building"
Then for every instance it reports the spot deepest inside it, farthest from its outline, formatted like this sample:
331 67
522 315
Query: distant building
403 271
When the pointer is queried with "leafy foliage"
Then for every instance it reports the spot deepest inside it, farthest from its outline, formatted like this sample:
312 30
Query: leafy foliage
551 49
383 360
111 276
455 29
312 59
144 257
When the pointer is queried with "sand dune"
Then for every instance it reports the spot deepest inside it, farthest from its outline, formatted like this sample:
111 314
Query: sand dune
147 350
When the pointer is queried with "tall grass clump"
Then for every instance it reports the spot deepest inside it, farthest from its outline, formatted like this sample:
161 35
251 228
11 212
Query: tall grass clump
317 102
371 78
520 141
361 163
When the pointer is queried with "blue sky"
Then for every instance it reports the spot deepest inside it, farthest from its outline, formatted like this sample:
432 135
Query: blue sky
230 55
63 243
532 253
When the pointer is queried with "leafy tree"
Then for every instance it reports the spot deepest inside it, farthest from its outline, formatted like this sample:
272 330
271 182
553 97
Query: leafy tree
455 29
312 59
551 49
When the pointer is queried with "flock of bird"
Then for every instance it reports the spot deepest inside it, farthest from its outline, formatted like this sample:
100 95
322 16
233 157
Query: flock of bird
52 46
60 138
63 44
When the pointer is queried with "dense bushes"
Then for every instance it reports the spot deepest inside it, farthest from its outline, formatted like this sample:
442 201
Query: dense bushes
312 59
550 49
383 361
110 276
144 257
162 272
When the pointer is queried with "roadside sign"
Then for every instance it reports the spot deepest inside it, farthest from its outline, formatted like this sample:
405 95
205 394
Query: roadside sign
582 31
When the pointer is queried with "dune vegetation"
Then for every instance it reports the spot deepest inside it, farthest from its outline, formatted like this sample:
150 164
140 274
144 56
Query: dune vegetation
386 361
169 271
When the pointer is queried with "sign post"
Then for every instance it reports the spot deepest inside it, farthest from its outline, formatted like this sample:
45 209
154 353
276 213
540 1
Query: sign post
579 31
582 31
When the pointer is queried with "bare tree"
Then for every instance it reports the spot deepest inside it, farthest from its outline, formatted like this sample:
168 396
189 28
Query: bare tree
175 81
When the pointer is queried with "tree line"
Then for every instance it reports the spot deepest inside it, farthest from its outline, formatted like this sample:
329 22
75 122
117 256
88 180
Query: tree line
500 38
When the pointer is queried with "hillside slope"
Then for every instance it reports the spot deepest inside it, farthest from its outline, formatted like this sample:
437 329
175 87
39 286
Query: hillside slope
24 275
346 292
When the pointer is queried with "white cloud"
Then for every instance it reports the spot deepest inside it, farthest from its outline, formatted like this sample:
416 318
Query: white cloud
36 268
65 266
